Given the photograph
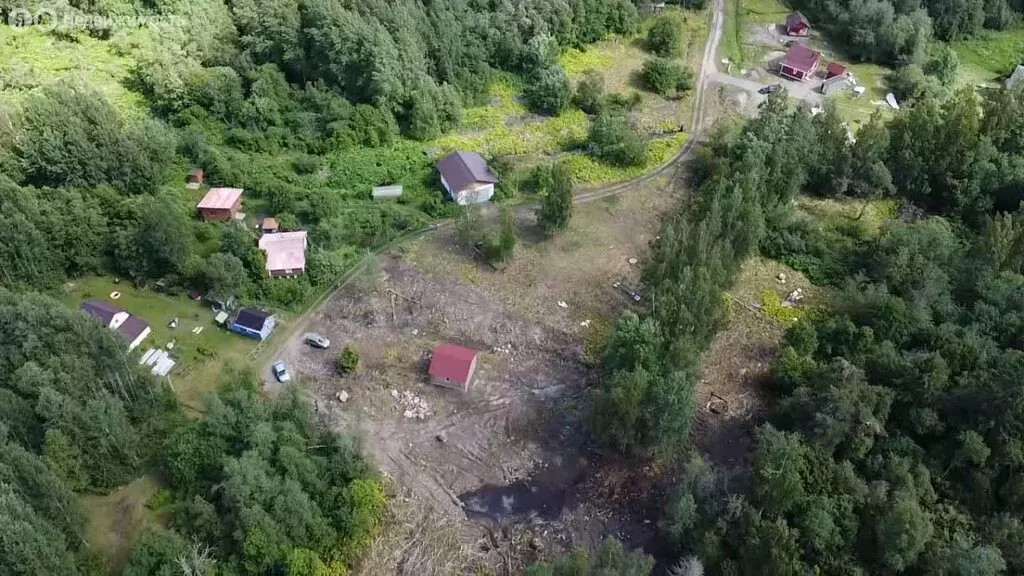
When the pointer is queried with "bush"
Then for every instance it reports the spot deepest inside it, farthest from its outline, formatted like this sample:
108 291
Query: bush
590 92
348 361
665 38
613 142
549 91
666 77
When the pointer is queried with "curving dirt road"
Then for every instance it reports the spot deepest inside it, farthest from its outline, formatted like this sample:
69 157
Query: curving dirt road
708 73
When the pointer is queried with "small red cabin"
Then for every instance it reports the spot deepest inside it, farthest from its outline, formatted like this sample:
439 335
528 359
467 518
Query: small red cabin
797 25
453 367
220 204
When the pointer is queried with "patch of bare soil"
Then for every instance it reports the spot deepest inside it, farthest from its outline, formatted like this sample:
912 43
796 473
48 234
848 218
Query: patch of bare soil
731 396
490 480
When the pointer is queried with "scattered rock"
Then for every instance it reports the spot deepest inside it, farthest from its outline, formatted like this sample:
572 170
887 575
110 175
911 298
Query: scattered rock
795 296
441 437
781 277
562 304
412 406
585 323
632 261
343 396
415 332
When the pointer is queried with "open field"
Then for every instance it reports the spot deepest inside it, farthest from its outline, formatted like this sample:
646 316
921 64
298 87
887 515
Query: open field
30 58
115 519
731 397
201 357
991 56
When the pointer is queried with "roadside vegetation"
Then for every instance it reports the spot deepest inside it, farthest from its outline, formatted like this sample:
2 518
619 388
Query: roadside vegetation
890 446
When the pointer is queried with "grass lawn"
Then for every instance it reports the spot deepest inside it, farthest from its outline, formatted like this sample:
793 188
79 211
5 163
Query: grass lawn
740 16
857 110
115 519
30 58
201 357
991 55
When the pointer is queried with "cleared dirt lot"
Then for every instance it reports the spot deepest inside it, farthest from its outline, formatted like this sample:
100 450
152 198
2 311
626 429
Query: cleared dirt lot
512 447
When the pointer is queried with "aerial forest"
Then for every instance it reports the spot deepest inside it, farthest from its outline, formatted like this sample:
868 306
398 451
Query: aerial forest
894 446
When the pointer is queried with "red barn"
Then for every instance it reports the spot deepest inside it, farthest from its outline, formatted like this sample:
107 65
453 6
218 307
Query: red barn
797 25
453 367
800 62
220 204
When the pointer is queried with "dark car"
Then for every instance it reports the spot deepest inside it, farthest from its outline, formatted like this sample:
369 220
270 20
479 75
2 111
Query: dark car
770 89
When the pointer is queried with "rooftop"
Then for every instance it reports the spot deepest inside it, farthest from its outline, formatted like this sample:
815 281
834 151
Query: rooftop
285 250
100 310
460 169
220 198
801 57
453 363
252 318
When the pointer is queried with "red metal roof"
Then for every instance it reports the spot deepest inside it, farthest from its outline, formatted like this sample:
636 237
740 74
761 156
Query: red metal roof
801 57
835 69
452 362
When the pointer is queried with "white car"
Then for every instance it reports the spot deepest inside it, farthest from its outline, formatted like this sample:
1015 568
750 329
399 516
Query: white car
317 341
281 373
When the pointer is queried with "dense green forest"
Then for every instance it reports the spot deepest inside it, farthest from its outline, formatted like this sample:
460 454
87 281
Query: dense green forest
900 32
895 444
305 105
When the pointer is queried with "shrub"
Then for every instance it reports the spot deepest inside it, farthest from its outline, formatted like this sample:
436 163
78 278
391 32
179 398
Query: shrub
590 92
666 77
348 361
665 38
548 91
613 142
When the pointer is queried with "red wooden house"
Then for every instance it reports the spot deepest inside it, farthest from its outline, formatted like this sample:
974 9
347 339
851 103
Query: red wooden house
797 25
800 62
220 204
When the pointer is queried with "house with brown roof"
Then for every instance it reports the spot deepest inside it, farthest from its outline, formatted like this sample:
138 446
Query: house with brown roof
453 367
194 179
286 253
797 24
133 330
800 62
836 79
467 178
220 204
269 225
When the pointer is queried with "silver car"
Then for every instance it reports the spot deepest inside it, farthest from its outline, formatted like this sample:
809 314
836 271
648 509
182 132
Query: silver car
317 341
281 373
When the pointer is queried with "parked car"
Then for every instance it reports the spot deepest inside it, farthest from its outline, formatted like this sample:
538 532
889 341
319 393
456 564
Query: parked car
317 341
769 89
281 373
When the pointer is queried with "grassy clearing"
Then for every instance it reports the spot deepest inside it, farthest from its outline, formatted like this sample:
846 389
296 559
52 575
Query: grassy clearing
115 519
858 110
740 16
586 170
577 266
835 213
31 58
991 55
201 357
